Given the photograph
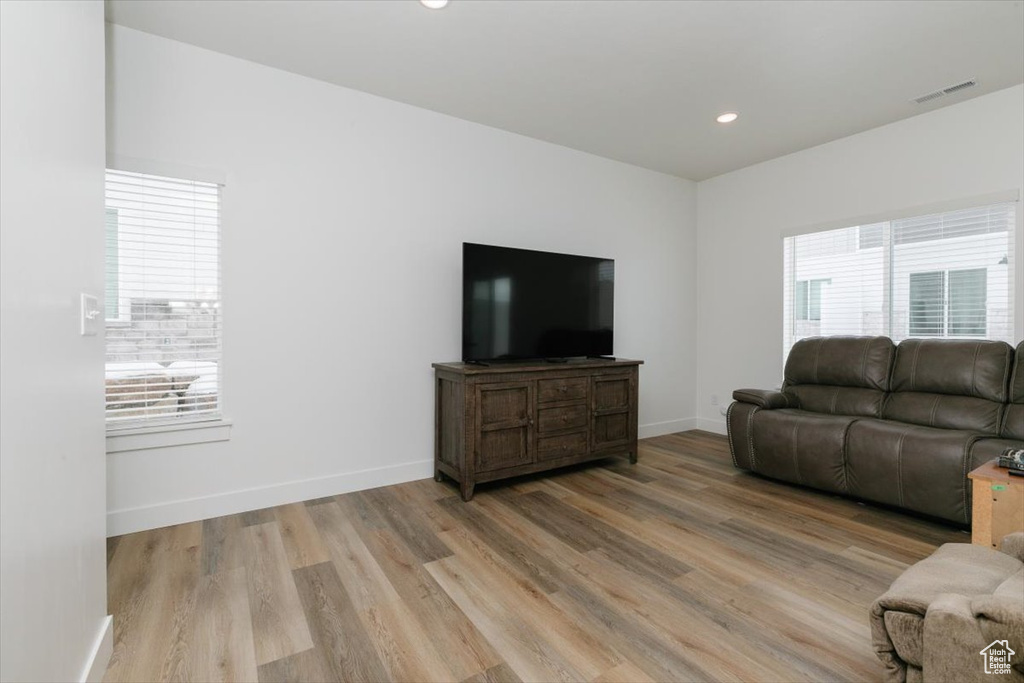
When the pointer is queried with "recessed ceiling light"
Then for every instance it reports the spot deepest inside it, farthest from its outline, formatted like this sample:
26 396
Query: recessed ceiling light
727 117
434 4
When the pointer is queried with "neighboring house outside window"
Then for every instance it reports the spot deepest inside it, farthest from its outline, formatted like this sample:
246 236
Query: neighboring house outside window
949 274
163 306
949 303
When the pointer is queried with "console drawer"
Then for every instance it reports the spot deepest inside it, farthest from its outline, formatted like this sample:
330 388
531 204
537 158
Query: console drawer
561 418
565 389
564 446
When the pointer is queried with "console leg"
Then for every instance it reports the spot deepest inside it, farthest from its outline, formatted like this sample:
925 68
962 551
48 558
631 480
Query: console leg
632 457
467 491
438 476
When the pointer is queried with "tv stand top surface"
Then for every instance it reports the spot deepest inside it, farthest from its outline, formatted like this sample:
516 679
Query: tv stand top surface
539 365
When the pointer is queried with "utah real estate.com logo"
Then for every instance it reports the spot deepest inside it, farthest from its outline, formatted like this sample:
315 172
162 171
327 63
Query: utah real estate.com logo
997 657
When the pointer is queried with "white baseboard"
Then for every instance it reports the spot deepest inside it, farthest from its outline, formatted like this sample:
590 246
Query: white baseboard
709 424
667 427
129 520
96 666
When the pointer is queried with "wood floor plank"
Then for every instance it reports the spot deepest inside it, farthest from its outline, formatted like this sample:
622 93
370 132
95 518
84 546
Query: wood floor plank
346 649
222 548
112 547
502 583
256 517
484 524
414 533
499 673
794 636
308 666
466 650
301 539
627 672
680 567
527 652
278 621
405 649
222 648
605 614
321 501
637 639
586 533
154 576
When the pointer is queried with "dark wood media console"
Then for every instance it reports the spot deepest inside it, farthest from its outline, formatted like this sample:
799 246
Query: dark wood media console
503 420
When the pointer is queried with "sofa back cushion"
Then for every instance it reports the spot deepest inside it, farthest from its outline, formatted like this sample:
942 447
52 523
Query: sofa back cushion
840 375
950 383
1013 420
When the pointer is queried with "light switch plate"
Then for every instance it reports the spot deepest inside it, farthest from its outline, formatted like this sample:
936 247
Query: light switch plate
91 315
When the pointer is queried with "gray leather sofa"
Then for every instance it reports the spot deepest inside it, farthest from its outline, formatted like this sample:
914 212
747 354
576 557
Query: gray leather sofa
900 425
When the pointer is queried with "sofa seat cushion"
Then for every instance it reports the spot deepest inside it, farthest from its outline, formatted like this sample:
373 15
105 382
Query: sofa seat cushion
802 447
920 468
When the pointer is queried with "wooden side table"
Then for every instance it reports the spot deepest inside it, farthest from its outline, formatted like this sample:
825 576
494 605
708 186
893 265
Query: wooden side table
998 504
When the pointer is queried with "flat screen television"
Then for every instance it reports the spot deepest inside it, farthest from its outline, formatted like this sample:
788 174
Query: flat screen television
519 304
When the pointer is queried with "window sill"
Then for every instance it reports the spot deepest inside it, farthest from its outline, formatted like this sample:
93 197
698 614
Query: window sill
166 436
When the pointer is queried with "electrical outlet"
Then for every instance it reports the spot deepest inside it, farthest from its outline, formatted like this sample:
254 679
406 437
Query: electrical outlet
714 399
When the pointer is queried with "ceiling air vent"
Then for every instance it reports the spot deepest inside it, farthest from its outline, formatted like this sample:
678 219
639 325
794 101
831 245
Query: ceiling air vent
929 97
959 86
948 90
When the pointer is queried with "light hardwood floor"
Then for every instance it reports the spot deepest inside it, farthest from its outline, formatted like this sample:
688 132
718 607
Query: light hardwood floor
678 568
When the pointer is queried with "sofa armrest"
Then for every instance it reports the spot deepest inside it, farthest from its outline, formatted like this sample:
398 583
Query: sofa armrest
1013 545
895 667
952 640
763 398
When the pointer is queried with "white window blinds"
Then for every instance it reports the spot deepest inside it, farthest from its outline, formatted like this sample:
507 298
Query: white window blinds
163 312
943 275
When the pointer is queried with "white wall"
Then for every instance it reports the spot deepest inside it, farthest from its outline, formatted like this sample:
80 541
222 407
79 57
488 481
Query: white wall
343 219
52 475
969 149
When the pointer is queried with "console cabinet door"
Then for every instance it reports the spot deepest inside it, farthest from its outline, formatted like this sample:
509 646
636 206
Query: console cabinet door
610 400
504 429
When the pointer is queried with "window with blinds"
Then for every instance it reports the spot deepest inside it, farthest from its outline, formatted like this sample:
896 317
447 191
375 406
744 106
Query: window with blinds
162 300
942 275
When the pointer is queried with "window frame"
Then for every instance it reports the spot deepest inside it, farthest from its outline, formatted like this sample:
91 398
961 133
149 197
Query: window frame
161 434
811 292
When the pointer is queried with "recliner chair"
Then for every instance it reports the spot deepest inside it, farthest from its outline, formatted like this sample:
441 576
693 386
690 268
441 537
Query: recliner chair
937 617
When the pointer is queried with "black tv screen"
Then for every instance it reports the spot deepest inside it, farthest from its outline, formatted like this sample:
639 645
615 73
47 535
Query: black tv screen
520 304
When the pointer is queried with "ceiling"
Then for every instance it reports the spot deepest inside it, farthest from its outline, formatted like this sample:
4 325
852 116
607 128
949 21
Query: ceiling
639 81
